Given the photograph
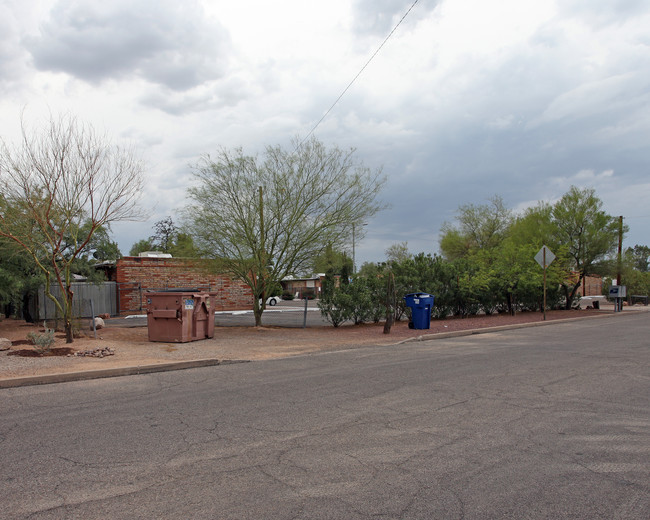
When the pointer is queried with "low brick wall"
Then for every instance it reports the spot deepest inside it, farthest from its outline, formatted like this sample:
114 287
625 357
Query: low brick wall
592 286
136 275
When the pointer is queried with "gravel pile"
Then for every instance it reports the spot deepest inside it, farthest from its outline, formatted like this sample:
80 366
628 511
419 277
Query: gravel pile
97 352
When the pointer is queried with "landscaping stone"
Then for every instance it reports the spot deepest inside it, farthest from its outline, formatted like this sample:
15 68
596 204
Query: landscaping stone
97 352
99 324
5 344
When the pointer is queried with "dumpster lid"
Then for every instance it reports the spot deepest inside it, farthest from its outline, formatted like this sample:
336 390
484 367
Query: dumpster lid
418 295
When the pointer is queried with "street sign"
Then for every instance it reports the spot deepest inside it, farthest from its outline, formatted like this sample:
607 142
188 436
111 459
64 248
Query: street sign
545 254
544 259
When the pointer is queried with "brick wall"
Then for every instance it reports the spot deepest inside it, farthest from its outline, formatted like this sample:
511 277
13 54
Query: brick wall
592 286
135 275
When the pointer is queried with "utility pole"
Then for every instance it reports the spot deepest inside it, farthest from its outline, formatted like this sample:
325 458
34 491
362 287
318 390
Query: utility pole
354 265
544 264
620 249
619 300
262 267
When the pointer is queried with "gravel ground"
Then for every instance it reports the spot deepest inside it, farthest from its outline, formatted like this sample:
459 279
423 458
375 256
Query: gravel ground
131 346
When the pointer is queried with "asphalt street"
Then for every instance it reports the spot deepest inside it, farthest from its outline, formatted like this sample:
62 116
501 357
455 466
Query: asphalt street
548 422
290 314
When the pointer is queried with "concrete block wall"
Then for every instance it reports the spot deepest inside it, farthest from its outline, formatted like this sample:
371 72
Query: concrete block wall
136 275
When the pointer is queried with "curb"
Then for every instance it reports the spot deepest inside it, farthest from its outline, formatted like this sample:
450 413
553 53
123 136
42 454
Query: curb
67 377
487 330
184 365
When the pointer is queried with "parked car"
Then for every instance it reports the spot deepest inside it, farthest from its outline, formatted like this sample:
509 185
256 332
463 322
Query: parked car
272 300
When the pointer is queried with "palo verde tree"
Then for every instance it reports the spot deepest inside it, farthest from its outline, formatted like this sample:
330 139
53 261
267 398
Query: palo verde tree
265 219
60 185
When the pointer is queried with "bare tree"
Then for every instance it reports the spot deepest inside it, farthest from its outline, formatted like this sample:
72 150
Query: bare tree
165 235
61 184
265 220
398 252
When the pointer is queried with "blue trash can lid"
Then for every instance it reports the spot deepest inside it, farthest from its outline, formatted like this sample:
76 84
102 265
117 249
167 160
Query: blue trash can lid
418 295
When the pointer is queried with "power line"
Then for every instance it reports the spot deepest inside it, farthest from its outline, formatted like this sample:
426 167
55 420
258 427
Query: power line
358 74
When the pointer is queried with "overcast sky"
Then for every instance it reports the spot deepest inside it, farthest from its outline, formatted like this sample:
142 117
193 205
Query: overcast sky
468 99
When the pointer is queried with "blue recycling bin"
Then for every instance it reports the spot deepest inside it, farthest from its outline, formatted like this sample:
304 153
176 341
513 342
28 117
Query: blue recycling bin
420 304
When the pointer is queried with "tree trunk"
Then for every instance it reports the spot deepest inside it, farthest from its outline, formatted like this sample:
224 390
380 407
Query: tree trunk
69 337
258 309
571 296
390 303
67 316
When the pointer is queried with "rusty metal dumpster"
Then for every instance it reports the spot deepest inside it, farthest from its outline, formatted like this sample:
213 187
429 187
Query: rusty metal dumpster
180 315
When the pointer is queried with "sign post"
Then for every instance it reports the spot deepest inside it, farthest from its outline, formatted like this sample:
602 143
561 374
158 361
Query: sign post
544 258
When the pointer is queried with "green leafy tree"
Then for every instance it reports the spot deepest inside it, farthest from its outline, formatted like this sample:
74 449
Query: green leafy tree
639 257
635 273
264 220
60 186
473 246
140 247
183 246
479 227
20 277
590 235
520 275
331 259
637 282
102 247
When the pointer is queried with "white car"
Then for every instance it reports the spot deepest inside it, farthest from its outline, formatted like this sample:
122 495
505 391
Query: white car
271 301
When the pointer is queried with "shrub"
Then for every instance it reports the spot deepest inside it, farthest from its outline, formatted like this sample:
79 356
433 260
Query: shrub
42 341
334 308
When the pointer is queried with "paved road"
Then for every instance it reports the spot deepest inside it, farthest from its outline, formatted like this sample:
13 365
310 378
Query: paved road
288 314
549 422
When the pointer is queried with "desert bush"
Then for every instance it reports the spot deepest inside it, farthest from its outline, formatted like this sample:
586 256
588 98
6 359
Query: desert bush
42 341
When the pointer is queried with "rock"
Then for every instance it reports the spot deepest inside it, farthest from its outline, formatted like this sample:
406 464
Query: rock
98 352
5 344
99 324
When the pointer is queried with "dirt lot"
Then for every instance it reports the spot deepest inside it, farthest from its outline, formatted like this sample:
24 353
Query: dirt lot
132 348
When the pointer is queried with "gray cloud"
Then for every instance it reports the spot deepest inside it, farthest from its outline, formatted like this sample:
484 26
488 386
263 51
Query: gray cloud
380 16
564 101
12 55
603 12
165 42
226 93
